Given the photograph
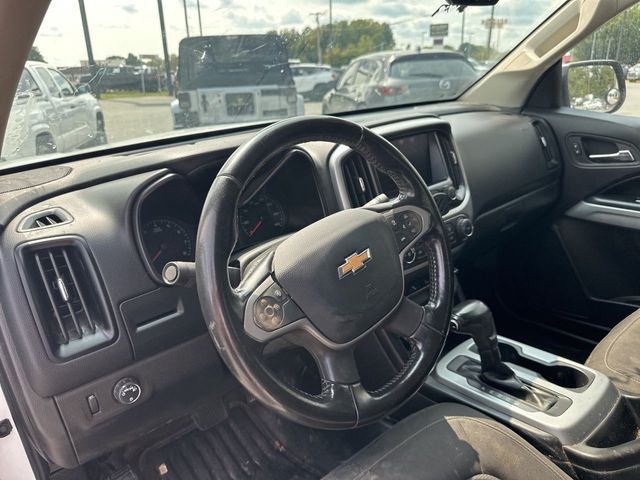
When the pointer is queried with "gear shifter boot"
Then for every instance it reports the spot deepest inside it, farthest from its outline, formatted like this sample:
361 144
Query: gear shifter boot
503 378
474 318
534 396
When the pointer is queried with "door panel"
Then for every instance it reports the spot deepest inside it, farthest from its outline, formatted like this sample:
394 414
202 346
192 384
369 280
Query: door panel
579 275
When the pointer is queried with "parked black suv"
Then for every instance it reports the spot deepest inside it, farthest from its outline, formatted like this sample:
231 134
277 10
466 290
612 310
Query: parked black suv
392 78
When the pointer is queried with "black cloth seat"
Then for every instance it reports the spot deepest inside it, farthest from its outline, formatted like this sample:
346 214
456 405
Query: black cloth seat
448 442
618 355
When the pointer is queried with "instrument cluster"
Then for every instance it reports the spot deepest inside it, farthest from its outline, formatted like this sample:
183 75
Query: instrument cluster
285 201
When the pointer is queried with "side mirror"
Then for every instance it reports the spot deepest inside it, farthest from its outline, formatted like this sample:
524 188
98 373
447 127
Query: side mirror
594 85
83 88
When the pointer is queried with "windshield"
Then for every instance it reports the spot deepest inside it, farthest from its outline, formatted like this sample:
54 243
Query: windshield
119 73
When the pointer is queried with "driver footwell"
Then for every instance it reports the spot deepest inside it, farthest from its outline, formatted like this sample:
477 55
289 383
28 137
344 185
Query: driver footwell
253 443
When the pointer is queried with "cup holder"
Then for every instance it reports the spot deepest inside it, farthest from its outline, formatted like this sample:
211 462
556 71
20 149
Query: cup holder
561 375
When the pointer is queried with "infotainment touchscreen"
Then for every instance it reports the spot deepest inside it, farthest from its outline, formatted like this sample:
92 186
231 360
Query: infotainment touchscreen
424 153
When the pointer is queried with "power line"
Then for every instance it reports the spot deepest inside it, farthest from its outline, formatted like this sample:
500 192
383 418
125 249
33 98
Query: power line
199 17
186 19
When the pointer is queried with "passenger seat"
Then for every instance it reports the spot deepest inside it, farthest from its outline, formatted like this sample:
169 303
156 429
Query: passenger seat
618 355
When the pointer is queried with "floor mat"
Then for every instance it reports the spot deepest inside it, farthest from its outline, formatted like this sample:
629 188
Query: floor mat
241 447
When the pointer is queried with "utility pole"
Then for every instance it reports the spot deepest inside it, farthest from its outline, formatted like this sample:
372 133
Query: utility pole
186 19
199 17
87 40
462 32
318 33
330 29
608 48
593 45
490 31
165 49
621 34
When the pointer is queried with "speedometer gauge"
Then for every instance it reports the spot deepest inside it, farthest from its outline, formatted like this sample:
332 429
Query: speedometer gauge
167 240
261 217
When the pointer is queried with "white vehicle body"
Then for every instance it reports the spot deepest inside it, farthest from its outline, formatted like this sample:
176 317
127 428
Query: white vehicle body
313 80
50 115
224 105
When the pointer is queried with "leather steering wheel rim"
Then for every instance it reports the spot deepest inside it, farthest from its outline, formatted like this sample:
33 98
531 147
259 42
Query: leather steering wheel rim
343 401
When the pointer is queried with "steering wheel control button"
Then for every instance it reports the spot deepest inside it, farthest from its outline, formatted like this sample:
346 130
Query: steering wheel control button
268 313
127 391
410 256
417 254
406 227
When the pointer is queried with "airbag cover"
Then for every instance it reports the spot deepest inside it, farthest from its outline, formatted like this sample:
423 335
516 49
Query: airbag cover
307 266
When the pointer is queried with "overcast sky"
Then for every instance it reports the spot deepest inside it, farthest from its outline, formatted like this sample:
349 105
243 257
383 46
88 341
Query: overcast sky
118 28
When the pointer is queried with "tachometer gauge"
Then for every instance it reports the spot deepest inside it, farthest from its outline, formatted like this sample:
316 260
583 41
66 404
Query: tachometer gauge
261 217
167 240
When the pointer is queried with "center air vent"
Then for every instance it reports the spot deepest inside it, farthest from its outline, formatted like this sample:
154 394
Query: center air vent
66 297
359 179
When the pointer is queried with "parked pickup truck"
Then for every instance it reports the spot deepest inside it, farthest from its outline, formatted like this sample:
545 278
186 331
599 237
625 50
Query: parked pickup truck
234 78
50 115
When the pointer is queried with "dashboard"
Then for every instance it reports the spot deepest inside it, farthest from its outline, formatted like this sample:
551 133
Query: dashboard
119 219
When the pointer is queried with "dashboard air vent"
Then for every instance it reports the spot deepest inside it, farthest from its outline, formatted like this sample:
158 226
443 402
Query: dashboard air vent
47 218
359 179
451 158
547 142
66 297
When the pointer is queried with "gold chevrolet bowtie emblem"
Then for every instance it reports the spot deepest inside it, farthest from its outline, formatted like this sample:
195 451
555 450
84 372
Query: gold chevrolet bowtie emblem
354 263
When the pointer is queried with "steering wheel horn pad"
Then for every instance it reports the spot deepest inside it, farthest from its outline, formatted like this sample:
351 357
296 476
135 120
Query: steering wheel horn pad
342 297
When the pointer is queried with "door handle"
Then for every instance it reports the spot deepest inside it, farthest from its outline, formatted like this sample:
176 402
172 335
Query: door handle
619 156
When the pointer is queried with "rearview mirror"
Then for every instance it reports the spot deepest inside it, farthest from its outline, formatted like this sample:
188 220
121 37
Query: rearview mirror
594 85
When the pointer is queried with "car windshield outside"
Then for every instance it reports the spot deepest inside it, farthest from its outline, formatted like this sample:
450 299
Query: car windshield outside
102 74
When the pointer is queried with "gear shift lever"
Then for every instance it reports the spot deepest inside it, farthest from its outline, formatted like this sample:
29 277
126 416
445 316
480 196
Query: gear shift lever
474 318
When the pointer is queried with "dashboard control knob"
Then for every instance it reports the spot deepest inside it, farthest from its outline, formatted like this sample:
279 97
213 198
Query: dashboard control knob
127 391
451 192
464 227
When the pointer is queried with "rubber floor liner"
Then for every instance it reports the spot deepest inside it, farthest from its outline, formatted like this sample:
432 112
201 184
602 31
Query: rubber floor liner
239 448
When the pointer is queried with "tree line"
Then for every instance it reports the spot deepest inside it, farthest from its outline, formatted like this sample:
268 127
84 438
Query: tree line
617 40
340 43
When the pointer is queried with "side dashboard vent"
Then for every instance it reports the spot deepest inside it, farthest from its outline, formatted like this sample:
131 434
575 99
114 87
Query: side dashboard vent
360 180
451 158
547 143
66 296
47 218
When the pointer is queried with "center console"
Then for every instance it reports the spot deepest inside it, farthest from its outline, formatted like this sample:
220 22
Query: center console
572 413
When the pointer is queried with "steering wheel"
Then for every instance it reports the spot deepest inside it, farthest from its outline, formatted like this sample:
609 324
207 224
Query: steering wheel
327 286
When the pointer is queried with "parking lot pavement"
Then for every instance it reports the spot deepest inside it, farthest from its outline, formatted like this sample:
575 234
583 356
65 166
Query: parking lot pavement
631 105
127 118
313 108
133 117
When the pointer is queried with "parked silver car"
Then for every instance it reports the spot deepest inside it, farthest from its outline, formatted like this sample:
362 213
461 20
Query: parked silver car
390 78
633 74
50 115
